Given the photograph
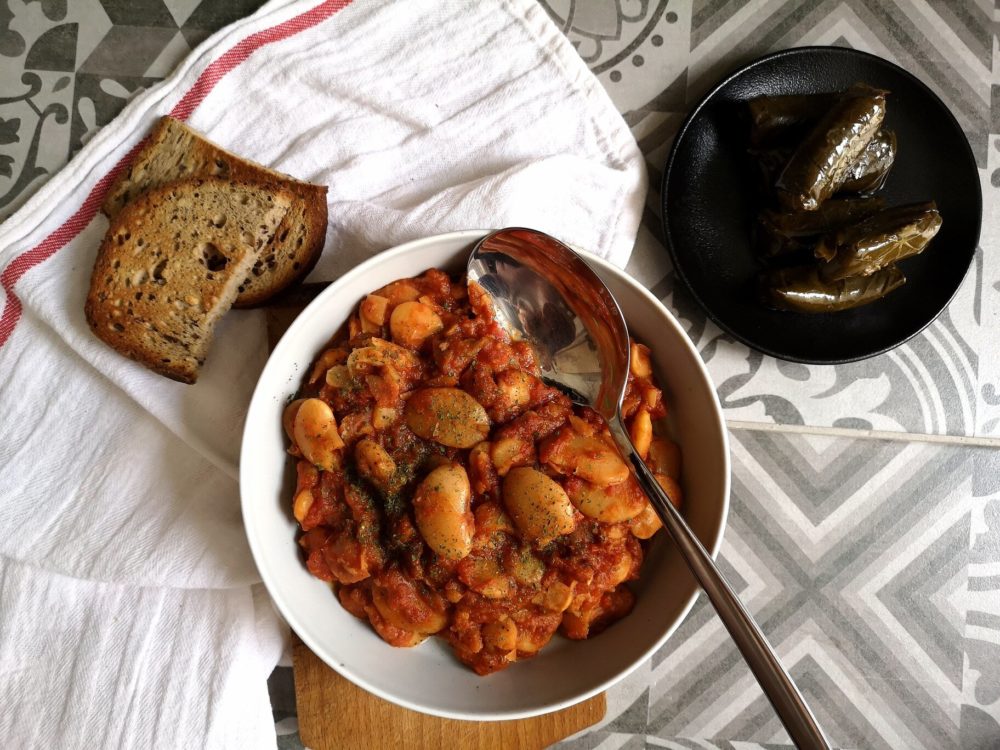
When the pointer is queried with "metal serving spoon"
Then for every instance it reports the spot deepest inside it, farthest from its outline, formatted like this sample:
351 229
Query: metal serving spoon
544 293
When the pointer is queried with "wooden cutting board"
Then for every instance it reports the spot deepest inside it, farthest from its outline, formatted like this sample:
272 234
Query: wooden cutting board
335 714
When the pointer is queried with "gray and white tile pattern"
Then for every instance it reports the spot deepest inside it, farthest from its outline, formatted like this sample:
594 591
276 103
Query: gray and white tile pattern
67 67
873 565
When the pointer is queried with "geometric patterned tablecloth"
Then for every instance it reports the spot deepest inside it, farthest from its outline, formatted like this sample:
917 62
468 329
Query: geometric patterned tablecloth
865 525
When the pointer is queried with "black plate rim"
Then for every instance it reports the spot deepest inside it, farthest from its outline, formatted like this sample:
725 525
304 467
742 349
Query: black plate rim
696 111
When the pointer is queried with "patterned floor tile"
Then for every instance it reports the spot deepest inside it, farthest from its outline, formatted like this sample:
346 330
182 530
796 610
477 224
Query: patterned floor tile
605 740
38 47
173 52
211 16
632 47
146 13
948 45
84 61
281 687
980 721
853 555
128 50
34 113
988 408
989 379
98 99
684 743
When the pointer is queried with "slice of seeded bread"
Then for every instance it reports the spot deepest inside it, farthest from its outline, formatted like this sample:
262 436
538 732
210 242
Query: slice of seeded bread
170 265
175 151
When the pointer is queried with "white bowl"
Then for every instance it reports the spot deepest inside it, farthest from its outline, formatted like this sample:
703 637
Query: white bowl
429 678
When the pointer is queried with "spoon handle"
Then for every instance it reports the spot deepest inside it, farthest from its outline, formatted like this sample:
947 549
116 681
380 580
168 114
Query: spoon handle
776 683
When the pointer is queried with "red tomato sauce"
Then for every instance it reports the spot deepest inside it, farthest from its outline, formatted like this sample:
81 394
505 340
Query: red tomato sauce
509 539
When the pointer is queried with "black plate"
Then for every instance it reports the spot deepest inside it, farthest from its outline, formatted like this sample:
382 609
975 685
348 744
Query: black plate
710 202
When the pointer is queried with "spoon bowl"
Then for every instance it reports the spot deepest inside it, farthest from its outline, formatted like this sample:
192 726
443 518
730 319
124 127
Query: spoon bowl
545 294
541 293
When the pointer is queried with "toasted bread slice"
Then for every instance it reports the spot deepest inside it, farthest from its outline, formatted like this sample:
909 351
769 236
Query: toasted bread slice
175 151
170 265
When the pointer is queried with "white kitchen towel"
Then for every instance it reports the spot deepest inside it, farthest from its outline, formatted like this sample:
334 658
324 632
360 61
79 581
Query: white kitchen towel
97 665
422 117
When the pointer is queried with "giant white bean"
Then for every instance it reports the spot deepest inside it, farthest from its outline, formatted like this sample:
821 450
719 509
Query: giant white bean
612 504
511 451
380 353
641 432
413 322
372 312
398 292
315 432
288 418
441 506
408 604
589 458
672 488
374 463
449 416
665 457
639 360
501 635
537 504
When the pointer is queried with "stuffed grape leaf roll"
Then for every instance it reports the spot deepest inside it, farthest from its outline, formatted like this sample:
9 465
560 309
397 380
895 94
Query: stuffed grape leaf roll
822 162
878 241
801 289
